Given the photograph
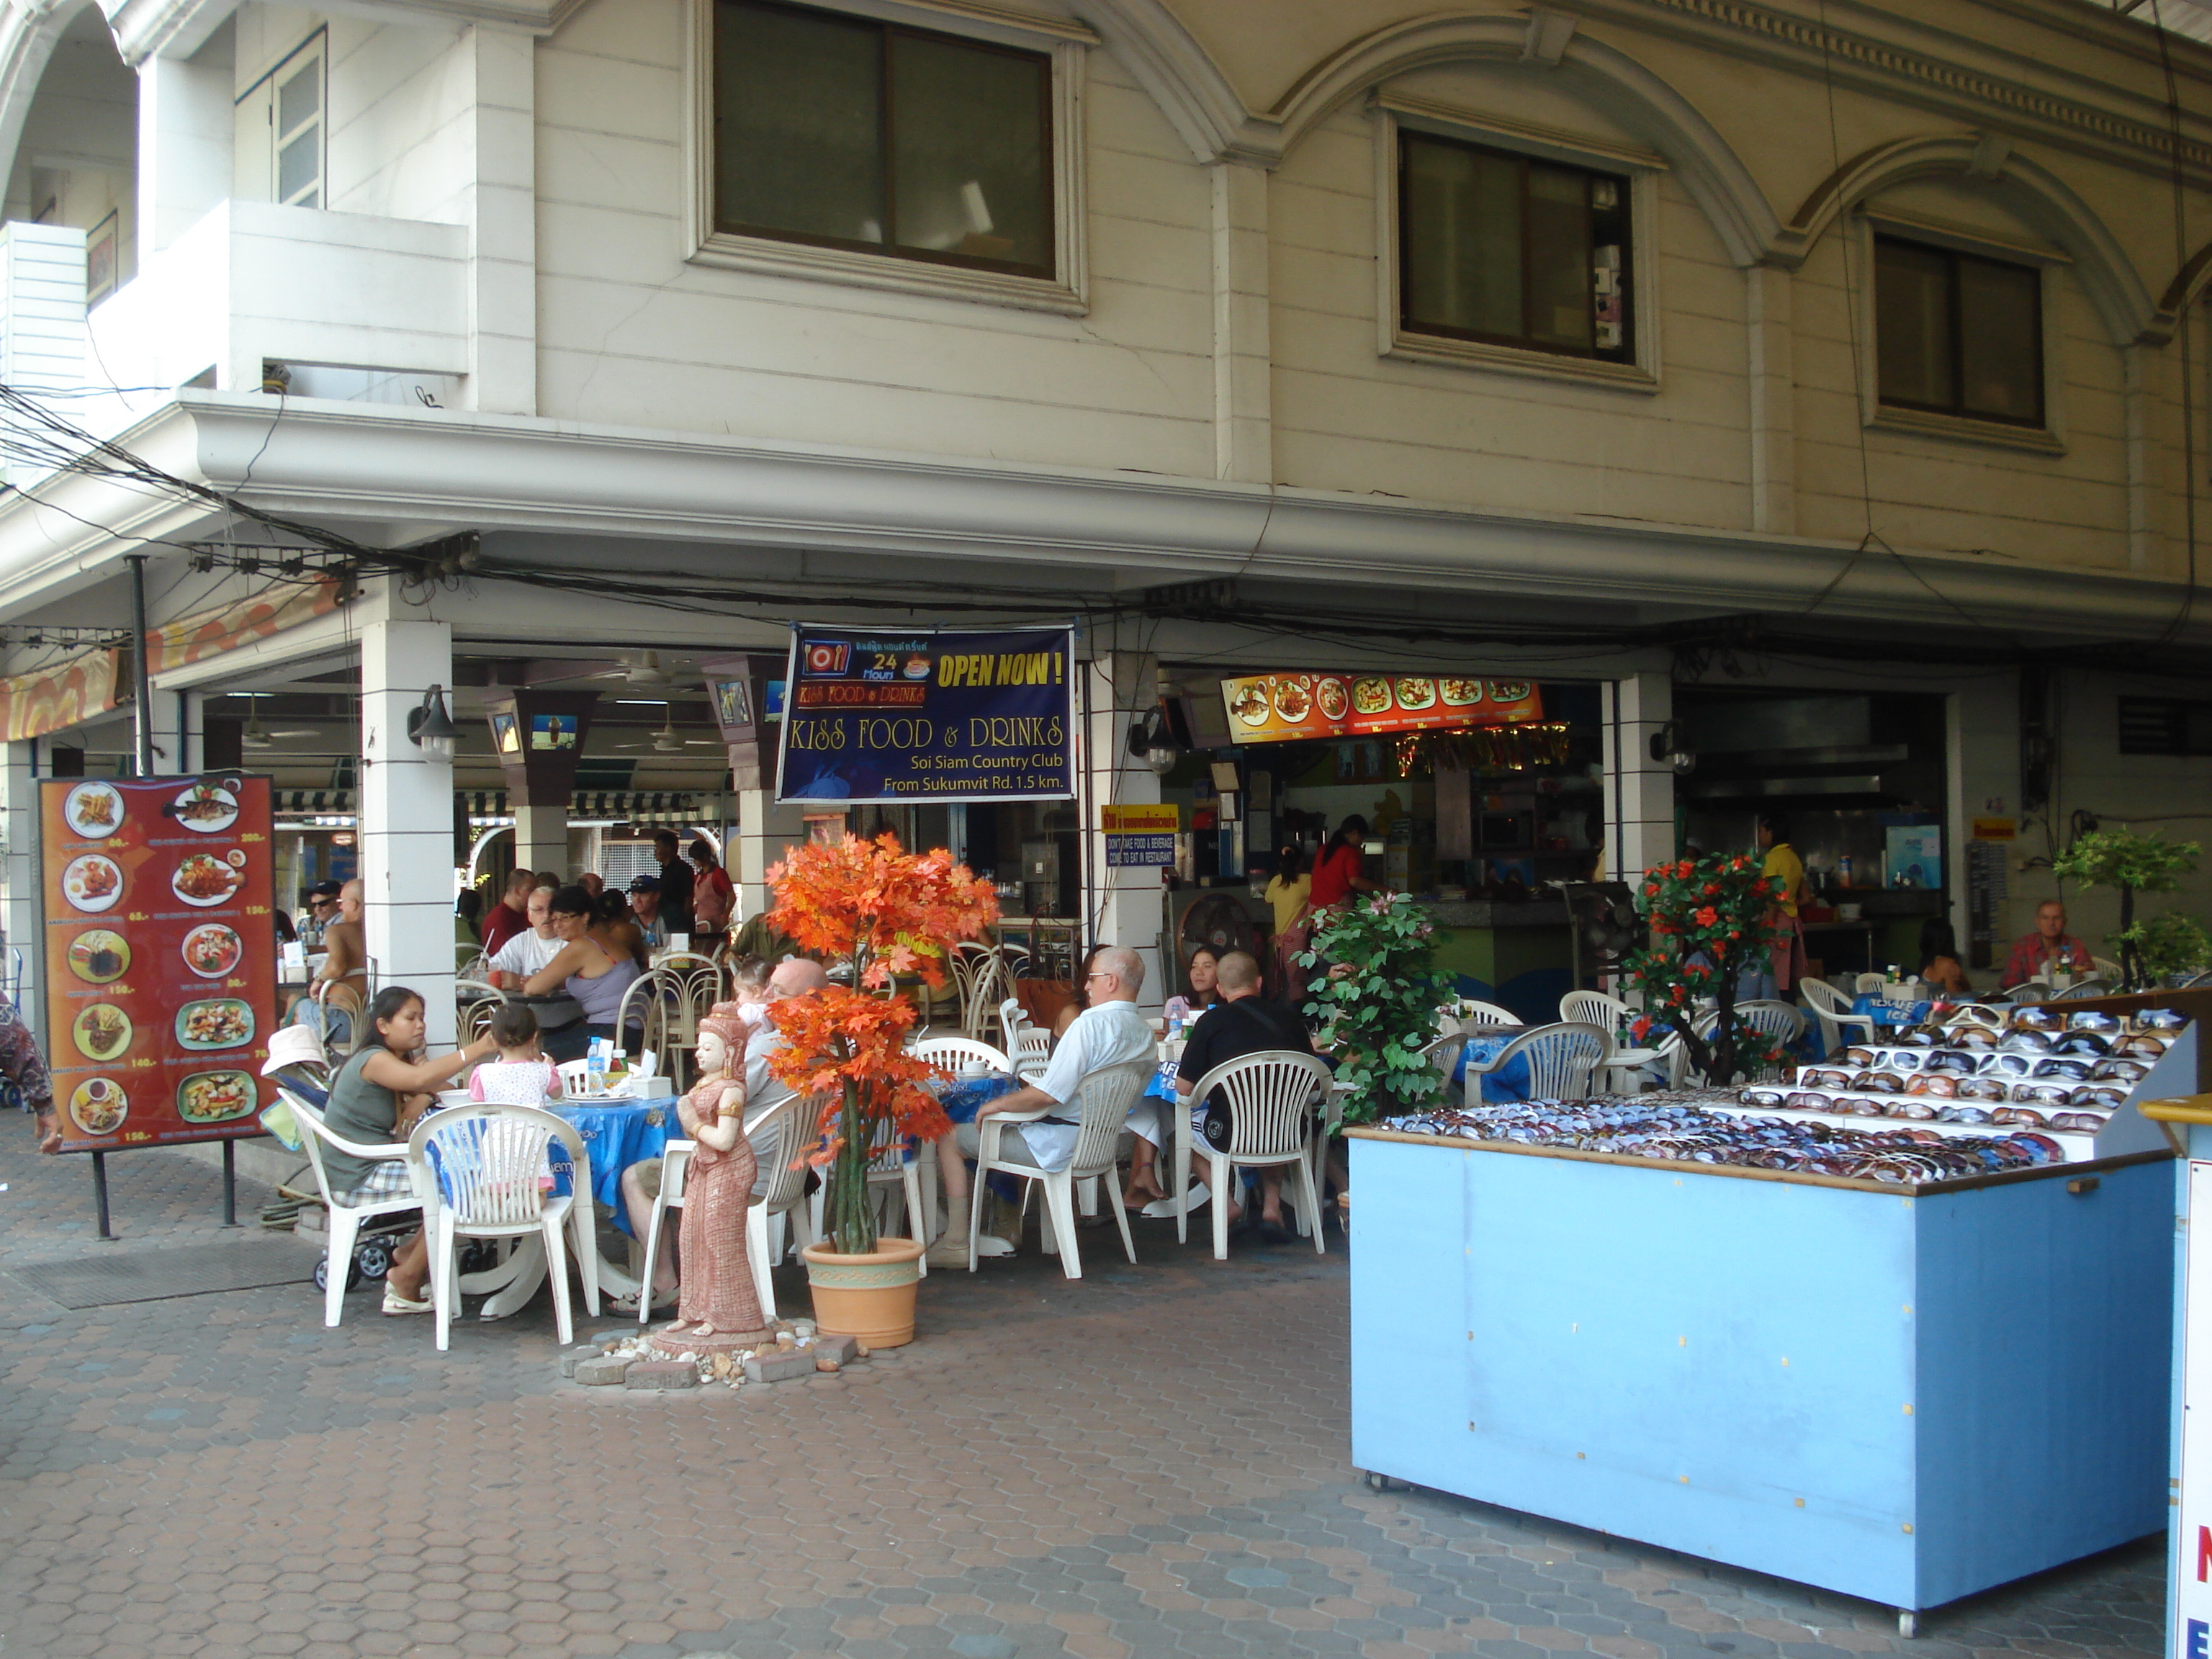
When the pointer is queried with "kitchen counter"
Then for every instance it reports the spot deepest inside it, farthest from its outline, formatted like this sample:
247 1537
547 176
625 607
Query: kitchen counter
1496 913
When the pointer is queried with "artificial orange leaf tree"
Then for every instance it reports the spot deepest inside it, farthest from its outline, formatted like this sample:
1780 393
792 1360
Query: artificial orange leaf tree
886 912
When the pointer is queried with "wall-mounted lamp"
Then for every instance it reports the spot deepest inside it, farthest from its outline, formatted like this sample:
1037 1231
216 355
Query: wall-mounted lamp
1668 749
431 727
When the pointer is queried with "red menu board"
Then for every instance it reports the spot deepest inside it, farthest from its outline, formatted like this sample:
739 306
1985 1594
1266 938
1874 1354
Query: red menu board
160 956
1279 708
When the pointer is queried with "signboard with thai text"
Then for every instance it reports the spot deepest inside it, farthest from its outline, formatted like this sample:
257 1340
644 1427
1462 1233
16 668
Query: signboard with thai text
160 956
1286 708
923 715
1140 837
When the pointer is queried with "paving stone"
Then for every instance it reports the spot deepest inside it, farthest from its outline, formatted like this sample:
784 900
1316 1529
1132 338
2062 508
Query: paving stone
606 1371
661 1375
572 1358
779 1367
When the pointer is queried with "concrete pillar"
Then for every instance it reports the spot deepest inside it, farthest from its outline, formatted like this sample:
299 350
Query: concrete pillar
541 837
764 829
1639 791
1243 414
1120 906
20 922
168 709
184 133
406 820
502 219
1773 387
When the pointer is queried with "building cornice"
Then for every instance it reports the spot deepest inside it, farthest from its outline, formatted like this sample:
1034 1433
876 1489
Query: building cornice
351 466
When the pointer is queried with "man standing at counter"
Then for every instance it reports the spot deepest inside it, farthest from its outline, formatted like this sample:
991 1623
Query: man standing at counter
2049 946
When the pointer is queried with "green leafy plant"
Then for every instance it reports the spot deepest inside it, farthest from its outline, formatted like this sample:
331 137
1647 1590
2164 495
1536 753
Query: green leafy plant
1708 922
1379 998
2134 864
2167 945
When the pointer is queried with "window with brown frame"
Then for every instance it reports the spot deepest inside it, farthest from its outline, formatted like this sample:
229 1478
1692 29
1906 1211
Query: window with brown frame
852 133
1958 334
1504 248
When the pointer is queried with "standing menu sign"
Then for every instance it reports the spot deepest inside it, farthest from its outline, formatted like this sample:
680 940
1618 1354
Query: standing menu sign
160 956
2191 1595
883 717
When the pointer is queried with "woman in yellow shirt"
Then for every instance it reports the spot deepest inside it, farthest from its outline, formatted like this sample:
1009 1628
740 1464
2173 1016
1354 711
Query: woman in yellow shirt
1288 891
1785 868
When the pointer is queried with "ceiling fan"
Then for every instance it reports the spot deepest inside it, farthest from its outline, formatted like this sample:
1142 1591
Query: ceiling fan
643 672
669 741
257 736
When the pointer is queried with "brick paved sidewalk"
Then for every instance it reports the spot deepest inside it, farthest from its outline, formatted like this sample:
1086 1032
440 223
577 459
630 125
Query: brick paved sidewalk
1150 1461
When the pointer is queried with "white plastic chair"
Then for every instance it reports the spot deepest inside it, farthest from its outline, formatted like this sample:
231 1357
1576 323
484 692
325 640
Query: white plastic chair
955 1054
1781 1021
346 1220
890 1171
2107 970
1866 982
2081 990
476 1170
1102 1105
1833 1010
779 1134
1029 1046
575 1077
1270 1105
1595 1008
675 1161
1471 1014
1562 1059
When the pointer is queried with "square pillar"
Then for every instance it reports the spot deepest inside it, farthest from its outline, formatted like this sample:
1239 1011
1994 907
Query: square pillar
19 929
541 837
406 821
764 829
186 128
1125 902
1639 791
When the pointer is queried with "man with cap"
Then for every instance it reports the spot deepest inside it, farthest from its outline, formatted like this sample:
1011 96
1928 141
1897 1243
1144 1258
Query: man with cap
322 910
645 909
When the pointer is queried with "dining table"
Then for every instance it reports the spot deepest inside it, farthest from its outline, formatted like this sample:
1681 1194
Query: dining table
617 1132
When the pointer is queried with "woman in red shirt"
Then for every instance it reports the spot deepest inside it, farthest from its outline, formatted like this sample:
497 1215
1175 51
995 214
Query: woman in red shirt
1337 868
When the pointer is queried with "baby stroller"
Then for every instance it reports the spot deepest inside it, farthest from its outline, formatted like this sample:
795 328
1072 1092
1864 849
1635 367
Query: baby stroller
297 1065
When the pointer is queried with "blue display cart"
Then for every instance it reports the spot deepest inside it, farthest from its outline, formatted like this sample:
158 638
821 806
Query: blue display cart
1902 1396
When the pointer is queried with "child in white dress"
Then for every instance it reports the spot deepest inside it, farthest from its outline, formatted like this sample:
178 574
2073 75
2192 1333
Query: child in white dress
521 1076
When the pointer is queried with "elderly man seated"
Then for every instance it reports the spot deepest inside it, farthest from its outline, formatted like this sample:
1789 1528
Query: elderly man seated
1111 1031
764 1092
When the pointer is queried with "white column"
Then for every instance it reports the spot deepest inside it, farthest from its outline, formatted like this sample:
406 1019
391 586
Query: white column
167 711
541 838
502 220
1122 905
406 809
192 718
19 880
1773 403
185 127
764 829
1639 791
1244 412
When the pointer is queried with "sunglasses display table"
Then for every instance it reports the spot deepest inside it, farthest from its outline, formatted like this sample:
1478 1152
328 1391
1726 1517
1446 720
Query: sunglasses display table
1902 1394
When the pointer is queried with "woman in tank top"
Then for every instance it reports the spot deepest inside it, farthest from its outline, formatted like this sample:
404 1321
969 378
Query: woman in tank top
593 966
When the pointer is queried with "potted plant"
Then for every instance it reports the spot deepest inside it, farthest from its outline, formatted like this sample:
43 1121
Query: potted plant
2134 864
1708 922
885 912
1378 1000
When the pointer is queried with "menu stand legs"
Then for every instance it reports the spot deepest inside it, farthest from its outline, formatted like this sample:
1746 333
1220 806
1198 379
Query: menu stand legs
99 1194
230 1183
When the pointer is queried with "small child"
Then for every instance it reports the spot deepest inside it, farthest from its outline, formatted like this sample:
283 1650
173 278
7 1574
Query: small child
521 1076
748 990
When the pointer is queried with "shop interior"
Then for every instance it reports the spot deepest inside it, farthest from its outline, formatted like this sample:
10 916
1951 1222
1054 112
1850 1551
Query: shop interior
1860 779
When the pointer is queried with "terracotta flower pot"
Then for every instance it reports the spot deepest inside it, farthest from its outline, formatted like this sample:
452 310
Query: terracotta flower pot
869 1297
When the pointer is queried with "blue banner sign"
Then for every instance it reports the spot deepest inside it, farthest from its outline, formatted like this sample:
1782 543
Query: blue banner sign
877 717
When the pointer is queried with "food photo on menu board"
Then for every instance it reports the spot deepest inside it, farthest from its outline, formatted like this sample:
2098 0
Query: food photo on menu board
160 956
1282 708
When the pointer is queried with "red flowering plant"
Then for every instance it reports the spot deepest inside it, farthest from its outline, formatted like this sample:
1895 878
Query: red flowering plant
1708 923
885 912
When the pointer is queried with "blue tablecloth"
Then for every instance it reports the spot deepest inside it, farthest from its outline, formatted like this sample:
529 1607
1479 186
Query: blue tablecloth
616 1134
1510 1083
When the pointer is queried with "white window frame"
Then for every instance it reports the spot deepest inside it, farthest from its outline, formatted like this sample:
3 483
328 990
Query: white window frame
1067 292
1392 112
265 90
2050 438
